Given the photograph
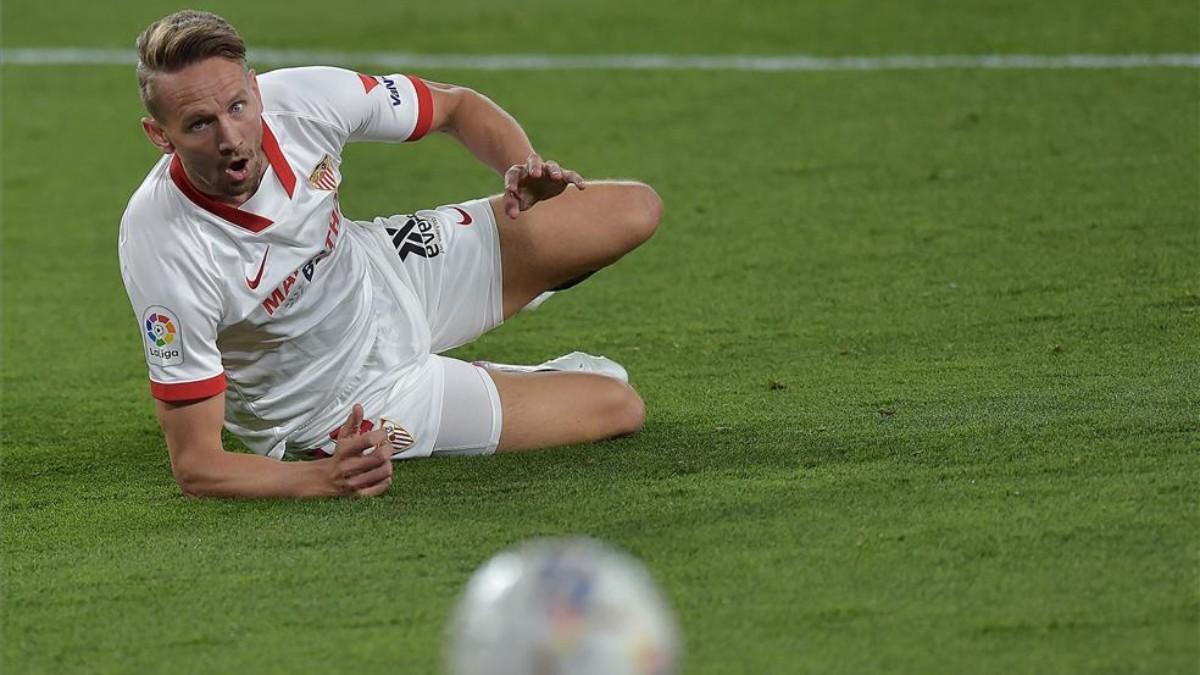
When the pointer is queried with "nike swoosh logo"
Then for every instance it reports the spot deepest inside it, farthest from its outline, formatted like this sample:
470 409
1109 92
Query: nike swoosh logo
466 217
253 283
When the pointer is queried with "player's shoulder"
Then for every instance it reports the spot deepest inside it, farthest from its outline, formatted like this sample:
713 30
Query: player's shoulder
153 202
156 224
309 90
298 78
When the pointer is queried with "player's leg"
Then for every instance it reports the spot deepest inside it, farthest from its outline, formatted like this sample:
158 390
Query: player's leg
543 410
449 258
571 235
485 411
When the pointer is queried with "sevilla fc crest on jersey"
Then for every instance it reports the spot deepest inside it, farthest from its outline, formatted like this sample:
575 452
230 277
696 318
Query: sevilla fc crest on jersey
324 177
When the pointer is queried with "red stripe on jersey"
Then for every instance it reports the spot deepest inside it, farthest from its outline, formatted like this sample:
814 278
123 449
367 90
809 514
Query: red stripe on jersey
188 391
250 221
287 177
368 82
424 108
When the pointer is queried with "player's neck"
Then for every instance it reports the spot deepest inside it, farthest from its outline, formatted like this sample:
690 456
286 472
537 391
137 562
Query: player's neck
235 201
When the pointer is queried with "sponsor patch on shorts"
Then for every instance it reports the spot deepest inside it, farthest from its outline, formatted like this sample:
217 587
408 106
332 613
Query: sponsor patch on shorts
419 236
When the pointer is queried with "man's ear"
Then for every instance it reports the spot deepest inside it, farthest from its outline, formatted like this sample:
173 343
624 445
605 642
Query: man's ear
254 87
157 136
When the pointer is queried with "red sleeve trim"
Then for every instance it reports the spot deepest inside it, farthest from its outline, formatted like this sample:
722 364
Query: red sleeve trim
188 391
368 82
424 108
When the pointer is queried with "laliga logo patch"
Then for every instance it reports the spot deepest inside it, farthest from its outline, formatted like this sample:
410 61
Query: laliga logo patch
324 177
398 436
164 341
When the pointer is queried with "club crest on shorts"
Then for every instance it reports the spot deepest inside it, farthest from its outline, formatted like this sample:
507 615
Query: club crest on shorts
324 177
398 436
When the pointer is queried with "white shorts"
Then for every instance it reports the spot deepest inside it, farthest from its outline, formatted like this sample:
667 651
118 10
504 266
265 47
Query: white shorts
471 413
449 258
468 413
443 264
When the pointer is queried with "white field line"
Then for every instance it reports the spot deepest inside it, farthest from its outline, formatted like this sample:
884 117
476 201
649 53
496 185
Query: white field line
68 56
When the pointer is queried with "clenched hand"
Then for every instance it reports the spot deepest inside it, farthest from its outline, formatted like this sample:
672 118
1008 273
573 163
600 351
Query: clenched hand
362 462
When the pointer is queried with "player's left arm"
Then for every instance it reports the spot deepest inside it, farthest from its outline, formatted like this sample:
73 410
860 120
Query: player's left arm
398 108
497 140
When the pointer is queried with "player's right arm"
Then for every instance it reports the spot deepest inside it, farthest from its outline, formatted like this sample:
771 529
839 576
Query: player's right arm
203 468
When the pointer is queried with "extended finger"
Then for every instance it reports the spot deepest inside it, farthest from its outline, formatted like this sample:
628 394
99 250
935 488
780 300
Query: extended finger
356 444
373 440
512 205
365 446
512 178
575 179
353 422
349 439
534 165
512 193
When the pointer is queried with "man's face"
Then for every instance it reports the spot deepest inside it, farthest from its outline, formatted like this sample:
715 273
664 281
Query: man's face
209 115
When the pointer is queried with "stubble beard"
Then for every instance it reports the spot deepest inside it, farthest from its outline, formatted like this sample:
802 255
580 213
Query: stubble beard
243 192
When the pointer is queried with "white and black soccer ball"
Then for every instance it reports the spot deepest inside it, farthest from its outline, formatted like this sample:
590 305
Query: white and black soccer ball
562 607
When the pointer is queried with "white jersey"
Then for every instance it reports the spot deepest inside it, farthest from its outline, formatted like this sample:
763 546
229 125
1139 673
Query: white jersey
276 303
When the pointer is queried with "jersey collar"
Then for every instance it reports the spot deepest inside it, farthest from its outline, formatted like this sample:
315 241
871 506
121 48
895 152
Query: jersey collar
250 221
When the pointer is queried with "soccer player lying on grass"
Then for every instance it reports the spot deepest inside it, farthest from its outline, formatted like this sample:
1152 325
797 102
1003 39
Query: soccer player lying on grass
310 335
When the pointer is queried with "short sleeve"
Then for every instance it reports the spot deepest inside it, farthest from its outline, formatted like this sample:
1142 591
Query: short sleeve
392 108
177 327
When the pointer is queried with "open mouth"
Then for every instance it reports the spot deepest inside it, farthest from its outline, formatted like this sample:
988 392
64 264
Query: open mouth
238 170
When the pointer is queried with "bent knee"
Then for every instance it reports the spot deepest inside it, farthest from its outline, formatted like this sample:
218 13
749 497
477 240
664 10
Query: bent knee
624 410
645 212
634 414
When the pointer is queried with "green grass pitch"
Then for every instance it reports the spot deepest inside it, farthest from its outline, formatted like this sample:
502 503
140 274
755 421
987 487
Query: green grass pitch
921 352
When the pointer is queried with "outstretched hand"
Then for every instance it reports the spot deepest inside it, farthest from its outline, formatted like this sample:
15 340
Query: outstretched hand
534 181
362 462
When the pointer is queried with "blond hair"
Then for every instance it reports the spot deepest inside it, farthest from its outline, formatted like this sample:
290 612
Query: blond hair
179 40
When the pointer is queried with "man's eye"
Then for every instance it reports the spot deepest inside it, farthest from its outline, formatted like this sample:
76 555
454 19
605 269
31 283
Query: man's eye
198 126
237 107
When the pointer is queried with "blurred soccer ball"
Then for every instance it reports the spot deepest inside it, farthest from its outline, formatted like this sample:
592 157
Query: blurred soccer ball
562 607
